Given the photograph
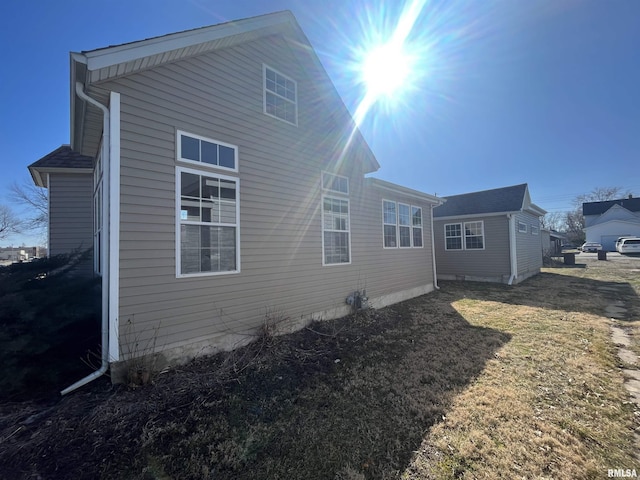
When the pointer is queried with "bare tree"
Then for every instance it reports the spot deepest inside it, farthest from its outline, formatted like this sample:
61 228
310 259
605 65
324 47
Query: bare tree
9 222
553 221
36 202
575 220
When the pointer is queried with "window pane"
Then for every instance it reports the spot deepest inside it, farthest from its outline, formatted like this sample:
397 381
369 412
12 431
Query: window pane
227 189
190 148
336 247
405 236
403 214
190 248
417 237
389 212
190 185
209 152
416 213
390 236
227 157
210 187
454 243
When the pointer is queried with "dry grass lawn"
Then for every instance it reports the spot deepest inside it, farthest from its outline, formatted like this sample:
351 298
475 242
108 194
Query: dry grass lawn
472 381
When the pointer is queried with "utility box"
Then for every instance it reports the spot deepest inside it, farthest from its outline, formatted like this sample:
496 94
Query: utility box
602 255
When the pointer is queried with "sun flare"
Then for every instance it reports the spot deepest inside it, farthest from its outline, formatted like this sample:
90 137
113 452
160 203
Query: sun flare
385 69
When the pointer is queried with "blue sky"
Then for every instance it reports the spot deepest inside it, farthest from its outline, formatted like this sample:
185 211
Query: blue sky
545 92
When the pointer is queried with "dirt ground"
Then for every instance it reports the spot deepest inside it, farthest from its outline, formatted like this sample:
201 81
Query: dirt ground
471 381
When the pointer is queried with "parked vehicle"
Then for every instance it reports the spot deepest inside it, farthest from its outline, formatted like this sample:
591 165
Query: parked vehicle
629 245
591 247
620 240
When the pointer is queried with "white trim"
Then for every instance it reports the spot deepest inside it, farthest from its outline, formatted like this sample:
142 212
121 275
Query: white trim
114 226
472 215
389 224
264 94
400 190
409 225
348 231
178 223
106 57
49 217
523 224
537 230
421 226
464 233
461 237
327 189
199 164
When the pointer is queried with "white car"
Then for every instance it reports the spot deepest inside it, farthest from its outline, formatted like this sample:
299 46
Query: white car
629 245
591 247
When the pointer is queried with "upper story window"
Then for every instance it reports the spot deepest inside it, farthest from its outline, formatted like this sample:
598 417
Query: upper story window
534 230
401 225
335 183
280 96
204 151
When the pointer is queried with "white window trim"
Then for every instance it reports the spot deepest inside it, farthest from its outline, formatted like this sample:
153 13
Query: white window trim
389 224
204 165
534 230
264 94
463 237
348 231
522 227
408 225
464 233
327 189
414 227
178 254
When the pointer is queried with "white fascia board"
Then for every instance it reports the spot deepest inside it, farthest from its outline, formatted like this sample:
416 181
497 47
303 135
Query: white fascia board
109 56
473 215
399 189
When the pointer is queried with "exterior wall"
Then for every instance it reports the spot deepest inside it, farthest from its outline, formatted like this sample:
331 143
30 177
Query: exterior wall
607 233
528 247
71 215
219 96
491 264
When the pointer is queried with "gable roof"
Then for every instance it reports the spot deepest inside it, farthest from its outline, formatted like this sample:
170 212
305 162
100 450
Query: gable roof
89 68
392 187
62 159
498 200
598 208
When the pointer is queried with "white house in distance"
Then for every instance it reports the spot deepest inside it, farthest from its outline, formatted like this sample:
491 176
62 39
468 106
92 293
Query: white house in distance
221 178
606 221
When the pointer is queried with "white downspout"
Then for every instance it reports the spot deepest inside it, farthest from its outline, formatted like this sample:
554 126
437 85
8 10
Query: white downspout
512 248
433 253
106 124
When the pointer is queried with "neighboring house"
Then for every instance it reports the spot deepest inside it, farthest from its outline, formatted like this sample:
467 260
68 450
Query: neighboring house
552 241
606 221
493 236
227 186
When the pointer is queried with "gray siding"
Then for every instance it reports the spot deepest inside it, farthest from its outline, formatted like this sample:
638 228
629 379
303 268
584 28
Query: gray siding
528 246
492 263
71 215
219 95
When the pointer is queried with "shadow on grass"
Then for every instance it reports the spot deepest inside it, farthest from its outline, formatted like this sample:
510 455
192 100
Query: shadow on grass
348 397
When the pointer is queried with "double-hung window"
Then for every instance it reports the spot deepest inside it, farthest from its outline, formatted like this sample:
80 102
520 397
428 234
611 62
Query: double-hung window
401 225
464 236
208 217
336 228
280 96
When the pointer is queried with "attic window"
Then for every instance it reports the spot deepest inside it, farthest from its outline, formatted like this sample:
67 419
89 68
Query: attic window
280 96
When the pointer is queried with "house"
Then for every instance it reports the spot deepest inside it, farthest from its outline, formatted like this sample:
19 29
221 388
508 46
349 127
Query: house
606 221
552 241
492 235
223 182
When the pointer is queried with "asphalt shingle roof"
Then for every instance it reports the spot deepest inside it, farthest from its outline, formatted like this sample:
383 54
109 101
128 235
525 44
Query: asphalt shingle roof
506 199
598 208
63 157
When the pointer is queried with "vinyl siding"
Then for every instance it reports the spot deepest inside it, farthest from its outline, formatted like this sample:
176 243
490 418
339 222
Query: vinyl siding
71 215
492 263
528 246
219 96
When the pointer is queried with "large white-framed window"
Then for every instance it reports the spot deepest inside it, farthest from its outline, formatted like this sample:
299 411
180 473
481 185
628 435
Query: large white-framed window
464 236
389 224
207 223
203 151
336 231
453 236
474 235
280 95
401 225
